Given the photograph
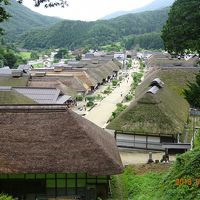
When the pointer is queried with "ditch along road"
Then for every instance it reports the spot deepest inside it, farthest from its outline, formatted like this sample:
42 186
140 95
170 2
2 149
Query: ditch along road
101 113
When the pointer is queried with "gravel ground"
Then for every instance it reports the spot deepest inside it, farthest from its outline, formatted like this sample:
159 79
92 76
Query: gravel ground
140 157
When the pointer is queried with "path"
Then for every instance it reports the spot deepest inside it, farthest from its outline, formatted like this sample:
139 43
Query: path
101 113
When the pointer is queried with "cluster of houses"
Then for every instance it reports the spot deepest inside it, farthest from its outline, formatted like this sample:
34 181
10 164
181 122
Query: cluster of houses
68 80
46 150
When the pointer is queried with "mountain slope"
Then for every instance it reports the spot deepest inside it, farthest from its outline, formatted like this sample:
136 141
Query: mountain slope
74 34
155 5
23 19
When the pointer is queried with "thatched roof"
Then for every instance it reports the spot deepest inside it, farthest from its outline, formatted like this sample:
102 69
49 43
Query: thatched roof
164 113
13 97
15 82
159 113
53 139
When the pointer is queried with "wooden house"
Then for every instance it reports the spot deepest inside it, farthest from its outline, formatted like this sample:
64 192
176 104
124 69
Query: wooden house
51 152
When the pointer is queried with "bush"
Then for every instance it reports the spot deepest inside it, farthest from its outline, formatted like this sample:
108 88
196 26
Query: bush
129 97
79 98
5 197
108 90
114 82
90 98
98 97
90 104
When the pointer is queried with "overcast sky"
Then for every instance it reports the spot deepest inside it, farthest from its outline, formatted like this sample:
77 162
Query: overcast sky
88 10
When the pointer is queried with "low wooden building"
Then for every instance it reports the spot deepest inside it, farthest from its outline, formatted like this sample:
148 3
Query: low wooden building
156 116
51 152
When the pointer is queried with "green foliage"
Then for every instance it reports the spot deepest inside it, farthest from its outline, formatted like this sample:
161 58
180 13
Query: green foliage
114 82
116 47
182 29
5 197
108 90
62 53
22 20
79 98
98 97
192 94
10 57
134 187
90 98
78 57
197 140
90 104
34 56
129 97
75 34
120 108
136 79
145 41
182 180
129 65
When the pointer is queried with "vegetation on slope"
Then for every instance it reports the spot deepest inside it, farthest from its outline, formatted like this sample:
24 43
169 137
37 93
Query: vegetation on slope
23 19
180 182
183 179
140 182
74 34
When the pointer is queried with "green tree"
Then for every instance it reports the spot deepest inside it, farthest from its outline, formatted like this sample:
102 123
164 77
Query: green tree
192 94
62 53
34 56
182 29
5 197
10 59
4 15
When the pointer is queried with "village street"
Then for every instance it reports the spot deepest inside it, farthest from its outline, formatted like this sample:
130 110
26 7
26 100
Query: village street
101 113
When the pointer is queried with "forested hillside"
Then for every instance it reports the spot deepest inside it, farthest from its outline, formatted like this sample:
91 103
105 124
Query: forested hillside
75 34
155 5
23 19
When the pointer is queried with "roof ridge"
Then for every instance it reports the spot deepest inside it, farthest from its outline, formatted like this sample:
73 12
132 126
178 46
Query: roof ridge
29 107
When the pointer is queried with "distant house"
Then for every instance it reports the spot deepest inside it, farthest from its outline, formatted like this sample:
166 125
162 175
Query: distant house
51 152
119 56
45 95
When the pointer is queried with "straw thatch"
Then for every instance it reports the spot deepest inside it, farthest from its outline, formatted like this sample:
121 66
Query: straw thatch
53 139
165 112
13 97
15 82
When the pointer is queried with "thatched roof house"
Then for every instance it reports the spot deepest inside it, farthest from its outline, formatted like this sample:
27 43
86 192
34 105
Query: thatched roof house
157 115
9 96
65 151
53 139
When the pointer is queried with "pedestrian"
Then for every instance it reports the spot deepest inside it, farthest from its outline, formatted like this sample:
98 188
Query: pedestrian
121 94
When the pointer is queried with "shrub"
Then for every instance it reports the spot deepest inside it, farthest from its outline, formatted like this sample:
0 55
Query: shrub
5 197
90 104
114 82
79 98
129 97
90 98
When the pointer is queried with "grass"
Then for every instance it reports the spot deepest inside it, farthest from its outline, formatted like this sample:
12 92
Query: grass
133 186
39 65
153 182
25 55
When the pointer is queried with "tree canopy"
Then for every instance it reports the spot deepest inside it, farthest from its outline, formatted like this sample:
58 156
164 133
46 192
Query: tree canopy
4 15
192 94
181 33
